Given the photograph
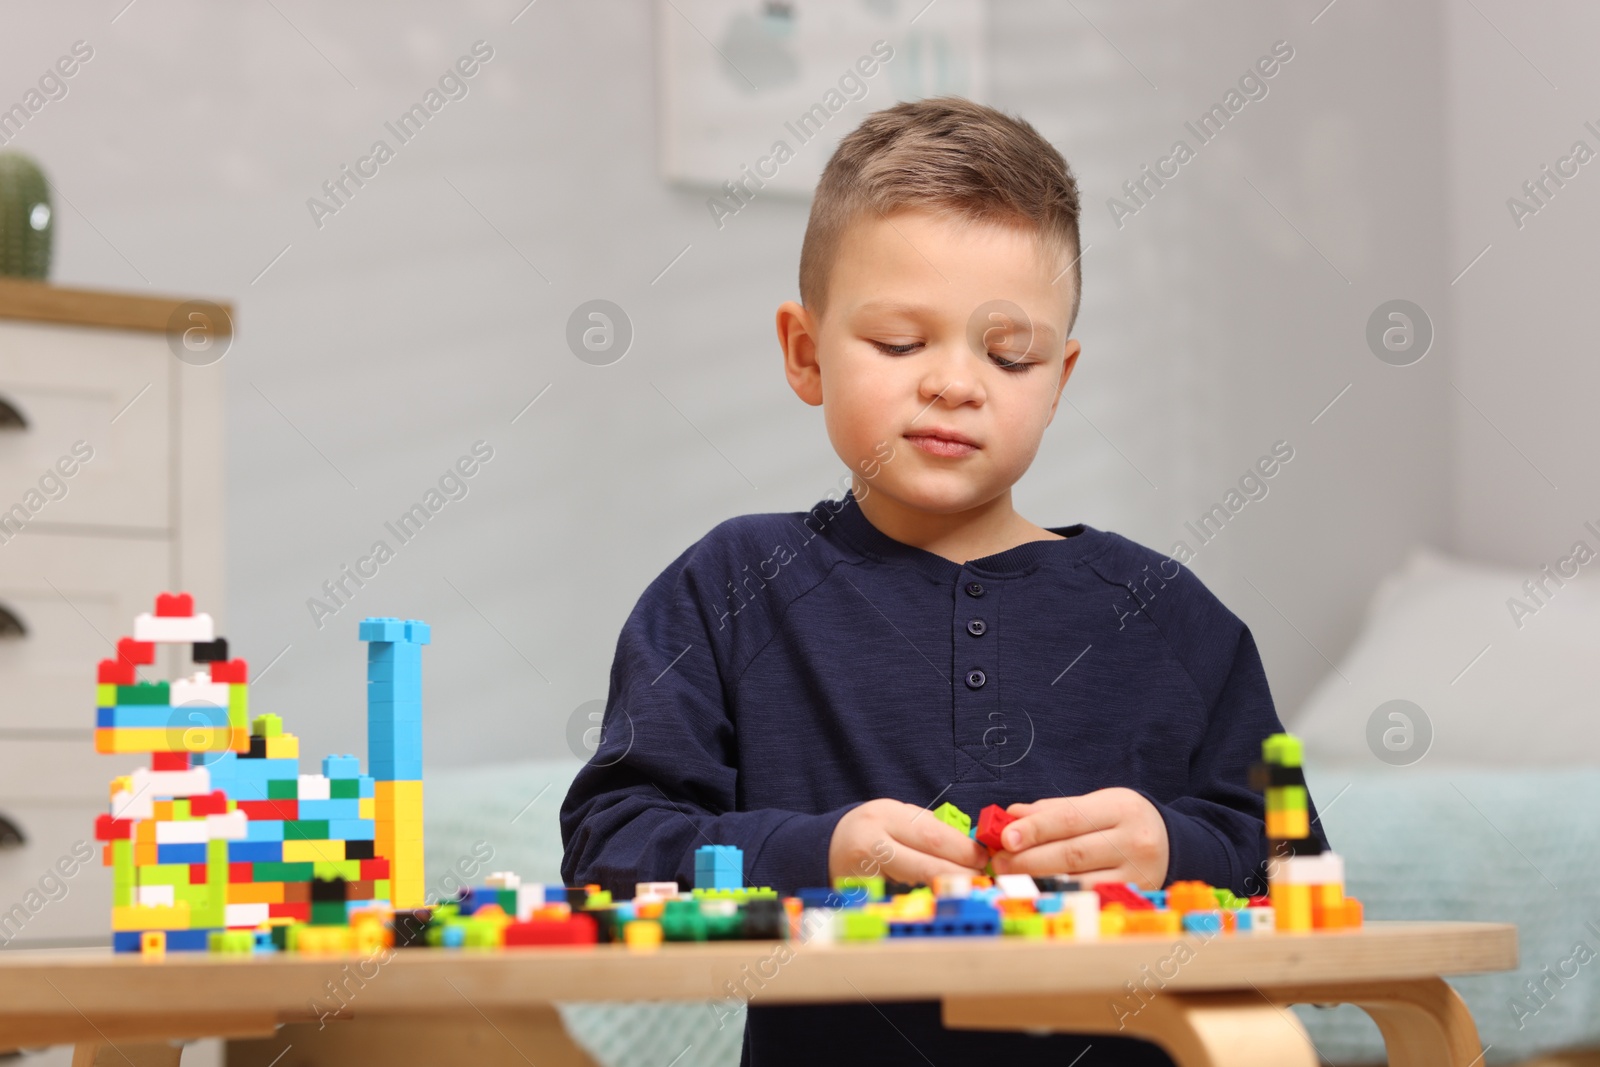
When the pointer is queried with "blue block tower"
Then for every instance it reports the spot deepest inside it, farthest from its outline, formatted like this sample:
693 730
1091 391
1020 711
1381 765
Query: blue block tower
394 748
718 867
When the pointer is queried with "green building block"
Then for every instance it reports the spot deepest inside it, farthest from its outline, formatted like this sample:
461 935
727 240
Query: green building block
232 942
306 830
329 913
682 920
873 885
144 693
1284 750
1028 926
1286 798
856 924
283 788
238 705
268 725
951 815
283 872
344 789
327 870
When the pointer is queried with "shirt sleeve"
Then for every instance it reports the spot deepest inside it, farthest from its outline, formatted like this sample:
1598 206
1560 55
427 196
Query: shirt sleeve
1216 830
663 781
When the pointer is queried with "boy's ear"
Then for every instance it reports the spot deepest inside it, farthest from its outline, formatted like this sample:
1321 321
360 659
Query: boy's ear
797 334
1073 350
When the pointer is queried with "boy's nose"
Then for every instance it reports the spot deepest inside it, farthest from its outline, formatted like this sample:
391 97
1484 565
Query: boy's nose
951 381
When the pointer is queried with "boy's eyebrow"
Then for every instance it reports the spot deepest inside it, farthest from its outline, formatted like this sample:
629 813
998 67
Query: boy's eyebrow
1043 331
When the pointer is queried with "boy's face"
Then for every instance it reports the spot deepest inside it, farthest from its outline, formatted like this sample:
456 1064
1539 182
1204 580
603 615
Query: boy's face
914 345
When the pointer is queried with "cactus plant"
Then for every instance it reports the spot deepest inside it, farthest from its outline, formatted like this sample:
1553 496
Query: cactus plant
27 220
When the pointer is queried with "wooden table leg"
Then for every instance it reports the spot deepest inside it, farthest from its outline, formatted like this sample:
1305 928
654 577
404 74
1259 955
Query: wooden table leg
1424 1021
1195 1029
123 1055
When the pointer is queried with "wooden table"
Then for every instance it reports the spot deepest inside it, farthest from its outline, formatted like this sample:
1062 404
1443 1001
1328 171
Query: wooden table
1215 1001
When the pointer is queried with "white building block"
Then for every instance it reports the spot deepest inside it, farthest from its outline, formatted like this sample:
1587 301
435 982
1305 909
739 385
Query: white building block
231 826
529 899
953 886
173 629
244 914
125 804
1324 869
1084 906
199 689
164 785
503 880
818 926
156 895
181 832
1017 886
314 787
655 891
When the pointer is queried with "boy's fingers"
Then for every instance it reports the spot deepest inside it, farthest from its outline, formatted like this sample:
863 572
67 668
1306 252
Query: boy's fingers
1089 852
934 838
919 868
1058 818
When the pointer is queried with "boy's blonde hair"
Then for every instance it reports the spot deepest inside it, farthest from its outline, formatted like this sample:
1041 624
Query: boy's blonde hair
947 155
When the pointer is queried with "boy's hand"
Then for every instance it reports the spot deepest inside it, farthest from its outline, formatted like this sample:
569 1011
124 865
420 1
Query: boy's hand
1110 835
902 842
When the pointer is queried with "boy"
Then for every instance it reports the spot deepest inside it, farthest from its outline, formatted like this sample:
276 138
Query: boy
806 686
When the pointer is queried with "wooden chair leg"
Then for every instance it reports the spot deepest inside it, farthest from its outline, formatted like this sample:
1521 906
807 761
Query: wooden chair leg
1424 1021
124 1054
1195 1029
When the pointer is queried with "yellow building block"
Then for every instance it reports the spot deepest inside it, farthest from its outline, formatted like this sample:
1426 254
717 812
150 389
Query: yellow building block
1288 824
1292 907
642 935
115 740
401 800
284 746
153 944
151 916
105 696
312 851
1327 907
367 808
1113 921
323 940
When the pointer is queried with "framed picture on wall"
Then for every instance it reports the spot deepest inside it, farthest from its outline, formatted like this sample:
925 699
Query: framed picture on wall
755 94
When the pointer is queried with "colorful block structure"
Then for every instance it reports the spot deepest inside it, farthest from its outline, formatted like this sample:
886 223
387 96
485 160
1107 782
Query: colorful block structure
222 833
1305 880
222 844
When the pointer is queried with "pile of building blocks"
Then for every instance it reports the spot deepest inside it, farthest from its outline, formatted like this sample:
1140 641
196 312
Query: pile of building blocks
221 844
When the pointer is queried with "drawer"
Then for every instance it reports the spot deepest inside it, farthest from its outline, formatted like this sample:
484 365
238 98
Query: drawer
75 596
75 908
72 384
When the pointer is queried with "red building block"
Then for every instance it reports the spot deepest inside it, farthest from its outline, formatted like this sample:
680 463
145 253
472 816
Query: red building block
116 672
136 652
213 803
286 910
108 829
267 810
991 821
1117 893
234 671
174 605
197 874
374 870
578 930
241 872
169 761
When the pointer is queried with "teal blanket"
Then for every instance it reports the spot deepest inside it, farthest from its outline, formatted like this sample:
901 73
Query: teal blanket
1419 843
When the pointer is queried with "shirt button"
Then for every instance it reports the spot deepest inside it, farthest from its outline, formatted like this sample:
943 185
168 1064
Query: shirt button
975 627
975 679
974 588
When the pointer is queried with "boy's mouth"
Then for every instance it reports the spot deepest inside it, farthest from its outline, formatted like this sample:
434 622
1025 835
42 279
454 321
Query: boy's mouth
941 442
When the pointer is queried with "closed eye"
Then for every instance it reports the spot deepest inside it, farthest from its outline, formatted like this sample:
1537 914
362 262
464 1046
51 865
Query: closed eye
1014 366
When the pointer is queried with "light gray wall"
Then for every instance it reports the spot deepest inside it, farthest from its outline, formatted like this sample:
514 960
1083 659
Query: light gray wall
426 314
1522 400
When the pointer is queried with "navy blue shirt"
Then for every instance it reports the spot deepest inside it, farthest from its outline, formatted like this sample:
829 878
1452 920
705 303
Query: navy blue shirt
789 666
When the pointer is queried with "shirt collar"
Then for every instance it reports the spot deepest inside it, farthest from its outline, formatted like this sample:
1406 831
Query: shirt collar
850 522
